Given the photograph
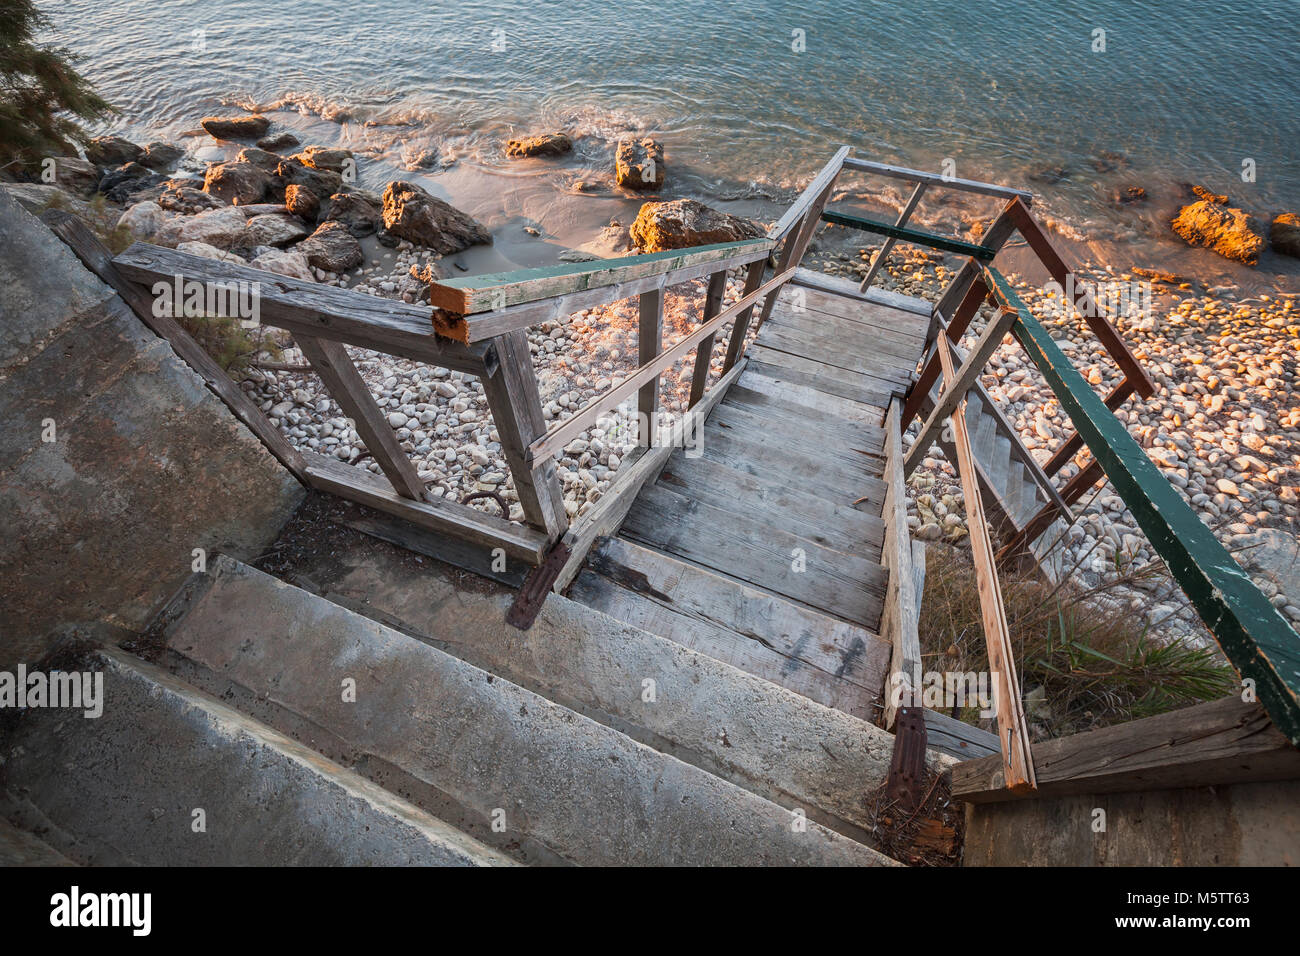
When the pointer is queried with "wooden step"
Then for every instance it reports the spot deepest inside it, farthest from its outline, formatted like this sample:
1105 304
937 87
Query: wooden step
837 525
1012 489
792 368
749 549
829 340
811 322
835 485
823 422
986 427
774 383
833 662
999 463
862 451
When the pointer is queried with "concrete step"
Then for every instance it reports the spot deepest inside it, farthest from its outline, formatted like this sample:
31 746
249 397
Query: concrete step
710 713
478 750
168 775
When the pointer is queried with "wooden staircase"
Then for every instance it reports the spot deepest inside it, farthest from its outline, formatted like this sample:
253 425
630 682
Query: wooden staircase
765 549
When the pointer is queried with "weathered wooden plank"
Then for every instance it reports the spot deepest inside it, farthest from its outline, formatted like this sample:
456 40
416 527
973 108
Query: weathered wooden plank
848 586
841 288
890 370
795 244
510 386
704 353
841 650
834 381
1013 731
446 517
331 362
1253 634
935 179
310 308
559 436
774 383
900 616
827 523
771 461
1221 742
903 348
824 423
96 257
650 337
740 328
860 454
959 739
721 643
467 295
824 179
914 236
441 547
607 514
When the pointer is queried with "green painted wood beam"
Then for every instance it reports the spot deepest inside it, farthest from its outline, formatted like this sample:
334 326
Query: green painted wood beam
983 253
1256 638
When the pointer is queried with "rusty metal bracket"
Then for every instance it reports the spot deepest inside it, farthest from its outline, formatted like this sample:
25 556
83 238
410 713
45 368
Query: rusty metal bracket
494 495
532 595
906 780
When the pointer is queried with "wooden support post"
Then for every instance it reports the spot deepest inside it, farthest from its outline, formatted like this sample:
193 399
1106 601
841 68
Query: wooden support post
888 247
511 388
793 250
1013 731
955 392
704 354
650 339
740 328
899 618
346 386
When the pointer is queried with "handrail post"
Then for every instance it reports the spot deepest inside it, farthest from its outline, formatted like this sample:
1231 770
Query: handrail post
704 354
510 385
740 328
650 340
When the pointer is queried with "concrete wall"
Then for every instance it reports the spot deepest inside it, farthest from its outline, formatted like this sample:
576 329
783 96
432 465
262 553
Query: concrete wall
97 527
1245 824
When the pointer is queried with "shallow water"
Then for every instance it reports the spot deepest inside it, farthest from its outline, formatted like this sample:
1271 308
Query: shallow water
1011 91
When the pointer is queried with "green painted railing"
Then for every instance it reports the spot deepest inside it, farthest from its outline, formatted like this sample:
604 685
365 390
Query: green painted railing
1256 638
982 253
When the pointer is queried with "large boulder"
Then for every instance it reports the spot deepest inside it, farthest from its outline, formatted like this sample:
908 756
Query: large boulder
1212 223
332 248
274 229
235 127
359 210
322 182
685 222
1284 233
639 164
76 175
321 157
112 151
159 155
411 213
260 158
143 220
302 202
129 178
222 228
547 144
285 262
278 143
236 182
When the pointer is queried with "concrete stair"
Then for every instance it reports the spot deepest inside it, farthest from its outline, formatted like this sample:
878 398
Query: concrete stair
581 741
168 775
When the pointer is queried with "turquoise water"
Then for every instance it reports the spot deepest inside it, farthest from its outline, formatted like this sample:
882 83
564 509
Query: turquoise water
1011 91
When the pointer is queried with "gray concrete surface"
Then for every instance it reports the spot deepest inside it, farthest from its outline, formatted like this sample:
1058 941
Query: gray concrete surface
99 525
125 788
473 747
20 848
757 734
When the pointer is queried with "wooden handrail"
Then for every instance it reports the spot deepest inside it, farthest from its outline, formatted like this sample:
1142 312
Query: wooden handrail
983 253
1013 731
496 290
559 436
799 208
1251 631
936 179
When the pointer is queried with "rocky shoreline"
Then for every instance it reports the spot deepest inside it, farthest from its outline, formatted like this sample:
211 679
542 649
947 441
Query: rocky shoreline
1224 426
